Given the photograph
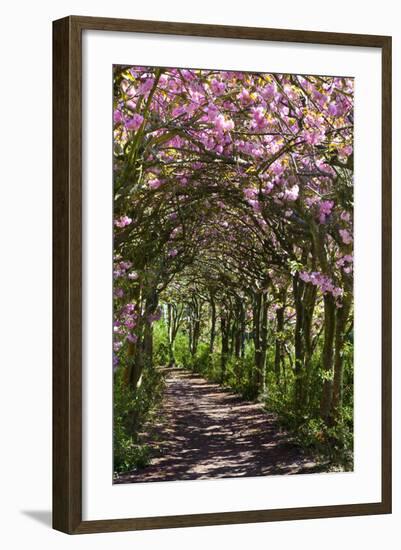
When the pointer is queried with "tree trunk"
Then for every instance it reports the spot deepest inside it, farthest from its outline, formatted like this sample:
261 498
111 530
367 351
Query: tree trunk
298 286
238 331
171 336
260 340
151 304
190 335
263 343
327 356
224 346
242 331
256 338
309 307
342 317
148 344
195 335
134 365
140 354
213 325
278 355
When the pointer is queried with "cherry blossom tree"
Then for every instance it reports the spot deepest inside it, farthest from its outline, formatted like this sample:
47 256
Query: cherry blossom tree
233 216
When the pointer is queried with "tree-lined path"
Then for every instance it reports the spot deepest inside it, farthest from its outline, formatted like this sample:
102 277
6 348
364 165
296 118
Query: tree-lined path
233 259
206 432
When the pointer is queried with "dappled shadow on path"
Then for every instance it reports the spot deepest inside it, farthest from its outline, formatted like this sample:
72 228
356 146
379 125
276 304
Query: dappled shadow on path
204 432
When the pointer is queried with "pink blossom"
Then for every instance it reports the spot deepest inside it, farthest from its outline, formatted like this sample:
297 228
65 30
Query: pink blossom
345 151
123 221
310 201
256 152
322 281
117 116
259 118
125 265
211 112
223 124
255 204
145 86
250 193
178 111
135 122
129 323
332 109
129 308
345 236
133 338
277 168
313 136
324 167
117 346
244 96
120 269
292 194
347 259
268 187
173 252
336 292
217 87
304 276
154 184
325 208
268 92
131 105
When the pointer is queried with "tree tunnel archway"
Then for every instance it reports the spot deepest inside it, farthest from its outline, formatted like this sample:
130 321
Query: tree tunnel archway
233 214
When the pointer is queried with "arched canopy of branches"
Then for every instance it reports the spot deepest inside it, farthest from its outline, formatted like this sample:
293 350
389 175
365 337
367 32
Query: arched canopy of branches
233 214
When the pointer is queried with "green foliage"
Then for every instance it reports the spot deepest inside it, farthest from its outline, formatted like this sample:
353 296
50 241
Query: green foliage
332 442
239 374
203 360
131 411
294 266
182 354
160 344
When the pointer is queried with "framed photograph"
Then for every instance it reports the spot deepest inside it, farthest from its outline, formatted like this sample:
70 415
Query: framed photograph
222 275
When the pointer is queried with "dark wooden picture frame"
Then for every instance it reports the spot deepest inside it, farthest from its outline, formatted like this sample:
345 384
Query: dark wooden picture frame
67 275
